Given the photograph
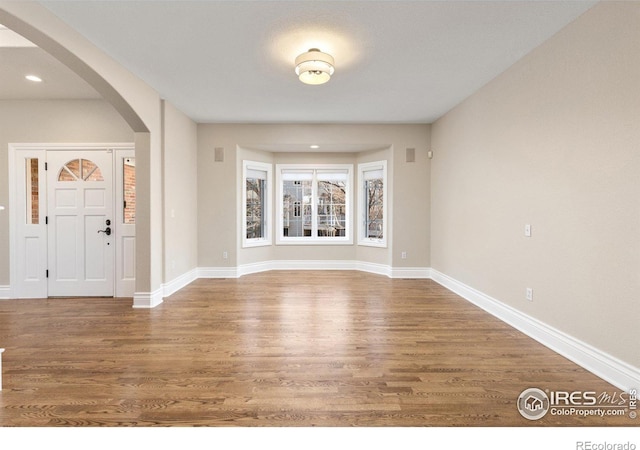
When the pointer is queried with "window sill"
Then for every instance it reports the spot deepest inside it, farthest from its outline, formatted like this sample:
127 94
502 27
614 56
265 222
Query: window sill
373 243
250 243
314 241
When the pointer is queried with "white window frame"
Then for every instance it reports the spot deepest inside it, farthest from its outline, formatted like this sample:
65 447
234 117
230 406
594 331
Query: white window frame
247 167
347 239
363 168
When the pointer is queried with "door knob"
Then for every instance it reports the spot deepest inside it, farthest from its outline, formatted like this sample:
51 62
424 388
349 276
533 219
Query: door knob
106 231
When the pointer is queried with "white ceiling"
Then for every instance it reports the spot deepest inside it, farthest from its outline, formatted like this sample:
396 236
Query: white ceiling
232 61
19 57
59 82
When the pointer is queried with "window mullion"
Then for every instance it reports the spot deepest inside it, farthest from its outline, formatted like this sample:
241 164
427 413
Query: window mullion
365 209
314 205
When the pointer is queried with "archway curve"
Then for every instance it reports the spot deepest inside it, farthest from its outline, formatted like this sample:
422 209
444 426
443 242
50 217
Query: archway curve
135 101
71 60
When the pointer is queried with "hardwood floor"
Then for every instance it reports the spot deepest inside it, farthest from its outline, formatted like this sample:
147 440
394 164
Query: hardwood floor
277 349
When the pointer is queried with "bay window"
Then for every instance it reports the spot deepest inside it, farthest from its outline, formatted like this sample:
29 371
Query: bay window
256 205
314 205
372 197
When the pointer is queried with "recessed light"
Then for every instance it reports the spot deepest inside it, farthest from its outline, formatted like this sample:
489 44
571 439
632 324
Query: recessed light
314 146
34 78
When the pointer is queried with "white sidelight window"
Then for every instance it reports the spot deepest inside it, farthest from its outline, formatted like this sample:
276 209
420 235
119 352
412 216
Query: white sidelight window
314 204
256 205
372 201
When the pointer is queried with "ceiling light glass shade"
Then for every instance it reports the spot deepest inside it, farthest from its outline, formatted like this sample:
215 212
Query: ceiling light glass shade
314 67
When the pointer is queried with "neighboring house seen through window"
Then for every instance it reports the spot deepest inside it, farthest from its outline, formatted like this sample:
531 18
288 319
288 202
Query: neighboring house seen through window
314 203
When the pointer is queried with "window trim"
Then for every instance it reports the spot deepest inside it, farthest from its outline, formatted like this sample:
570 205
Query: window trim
362 210
347 239
268 216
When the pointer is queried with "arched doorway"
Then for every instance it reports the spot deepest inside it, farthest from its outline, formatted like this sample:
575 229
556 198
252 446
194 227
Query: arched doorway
138 105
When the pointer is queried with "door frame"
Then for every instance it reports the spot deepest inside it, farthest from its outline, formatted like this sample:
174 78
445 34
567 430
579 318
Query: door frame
39 288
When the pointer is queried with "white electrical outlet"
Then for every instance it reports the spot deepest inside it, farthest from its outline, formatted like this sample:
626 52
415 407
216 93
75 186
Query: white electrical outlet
225 255
527 230
529 294
403 255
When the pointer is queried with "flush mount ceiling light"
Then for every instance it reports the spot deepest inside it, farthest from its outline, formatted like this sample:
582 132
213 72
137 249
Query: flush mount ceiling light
34 78
314 67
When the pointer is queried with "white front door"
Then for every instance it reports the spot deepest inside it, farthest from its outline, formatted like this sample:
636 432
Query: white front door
80 223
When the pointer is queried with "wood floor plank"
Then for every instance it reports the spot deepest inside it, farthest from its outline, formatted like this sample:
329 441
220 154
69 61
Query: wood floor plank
277 349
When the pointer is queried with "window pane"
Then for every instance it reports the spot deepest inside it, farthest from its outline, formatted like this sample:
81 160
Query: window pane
256 195
373 191
315 204
70 171
331 208
33 196
256 206
91 172
80 169
129 190
296 207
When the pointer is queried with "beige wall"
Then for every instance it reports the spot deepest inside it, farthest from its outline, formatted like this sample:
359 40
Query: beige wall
217 213
55 121
219 198
552 142
180 193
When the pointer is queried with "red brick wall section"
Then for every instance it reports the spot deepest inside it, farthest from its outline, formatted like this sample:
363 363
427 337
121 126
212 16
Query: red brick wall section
35 198
130 193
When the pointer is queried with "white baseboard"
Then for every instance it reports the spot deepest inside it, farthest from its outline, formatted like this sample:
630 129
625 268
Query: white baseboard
312 265
246 269
607 367
410 272
264 266
378 269
178 283
1 351
147 299
217 272
5 292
